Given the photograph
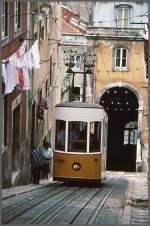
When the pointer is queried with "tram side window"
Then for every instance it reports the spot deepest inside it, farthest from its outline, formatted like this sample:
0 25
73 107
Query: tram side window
105 135
77 136
60 135
95 136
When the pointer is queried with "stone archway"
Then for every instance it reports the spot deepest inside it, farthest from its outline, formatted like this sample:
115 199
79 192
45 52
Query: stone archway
123 105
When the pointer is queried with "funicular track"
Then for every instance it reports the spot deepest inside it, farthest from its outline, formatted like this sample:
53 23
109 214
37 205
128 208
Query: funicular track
60 204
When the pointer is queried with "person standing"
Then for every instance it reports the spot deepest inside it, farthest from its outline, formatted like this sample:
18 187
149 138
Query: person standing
47 154
36 165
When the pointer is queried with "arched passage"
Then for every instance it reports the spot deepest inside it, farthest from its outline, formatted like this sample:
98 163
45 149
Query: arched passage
121 105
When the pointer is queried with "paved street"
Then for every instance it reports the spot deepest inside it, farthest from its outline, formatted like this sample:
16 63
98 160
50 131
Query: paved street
74 104
122 198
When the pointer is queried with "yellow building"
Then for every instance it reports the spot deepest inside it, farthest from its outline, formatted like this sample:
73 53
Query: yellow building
120 81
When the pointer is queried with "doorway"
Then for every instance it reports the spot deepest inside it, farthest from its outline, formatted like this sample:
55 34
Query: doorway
121 105
16 140
33 122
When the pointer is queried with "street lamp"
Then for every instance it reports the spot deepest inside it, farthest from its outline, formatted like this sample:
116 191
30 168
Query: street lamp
69 62
88 65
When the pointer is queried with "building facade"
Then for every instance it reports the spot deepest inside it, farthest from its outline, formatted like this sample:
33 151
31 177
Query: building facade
119 33
15 152
45 93
77 57
30 83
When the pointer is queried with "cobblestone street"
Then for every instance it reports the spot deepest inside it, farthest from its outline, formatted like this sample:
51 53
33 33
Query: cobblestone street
74 95
120 199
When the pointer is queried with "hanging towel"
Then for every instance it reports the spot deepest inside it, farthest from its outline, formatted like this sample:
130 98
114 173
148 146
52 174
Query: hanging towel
26 60
10 74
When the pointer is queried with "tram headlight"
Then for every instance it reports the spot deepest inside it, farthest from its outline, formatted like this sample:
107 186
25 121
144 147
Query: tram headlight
76 166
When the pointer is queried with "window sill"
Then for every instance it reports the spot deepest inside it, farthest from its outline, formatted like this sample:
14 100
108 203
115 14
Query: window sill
75 69
121 69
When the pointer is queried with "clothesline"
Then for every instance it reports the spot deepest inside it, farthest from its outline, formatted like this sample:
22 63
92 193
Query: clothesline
15 69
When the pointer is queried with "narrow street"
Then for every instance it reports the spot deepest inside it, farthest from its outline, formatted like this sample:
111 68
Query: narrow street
74 89
117 200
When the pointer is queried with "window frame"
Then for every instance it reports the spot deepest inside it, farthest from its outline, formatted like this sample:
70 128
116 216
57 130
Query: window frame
17 17
121 67
59 123
120 23
4 21
79 140
130 134
130 137
99 124
76 62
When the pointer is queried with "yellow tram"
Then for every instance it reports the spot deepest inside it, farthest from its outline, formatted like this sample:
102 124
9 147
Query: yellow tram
80 142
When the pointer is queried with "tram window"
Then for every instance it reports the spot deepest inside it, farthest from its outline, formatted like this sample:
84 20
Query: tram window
77 136
95 136
60 135
104 134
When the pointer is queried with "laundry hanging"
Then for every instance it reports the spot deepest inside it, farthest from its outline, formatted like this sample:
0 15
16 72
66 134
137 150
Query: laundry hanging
15 72
34 55
9 74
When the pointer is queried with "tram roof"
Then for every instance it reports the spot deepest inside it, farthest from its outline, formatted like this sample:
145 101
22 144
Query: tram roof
79 105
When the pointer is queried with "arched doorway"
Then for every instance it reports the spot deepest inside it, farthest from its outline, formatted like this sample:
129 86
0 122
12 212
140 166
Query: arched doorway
121 105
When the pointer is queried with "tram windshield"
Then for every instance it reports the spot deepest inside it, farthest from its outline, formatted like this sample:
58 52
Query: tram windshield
95 136
77 136
60 135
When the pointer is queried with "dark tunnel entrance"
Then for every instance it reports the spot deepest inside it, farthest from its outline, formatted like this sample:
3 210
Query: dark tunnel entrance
121 105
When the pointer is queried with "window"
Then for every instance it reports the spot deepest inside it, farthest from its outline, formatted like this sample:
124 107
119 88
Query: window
95 136
60 135
76 59
121 58
130 133
17 10
4 17
77 136
123 17
105 134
